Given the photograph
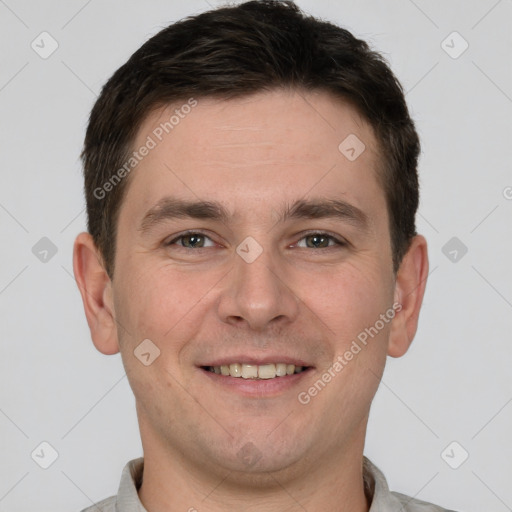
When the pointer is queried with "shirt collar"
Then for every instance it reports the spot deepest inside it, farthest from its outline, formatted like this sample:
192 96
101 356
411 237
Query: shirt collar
131 479
375 485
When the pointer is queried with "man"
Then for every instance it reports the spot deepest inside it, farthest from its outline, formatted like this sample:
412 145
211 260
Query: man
251 186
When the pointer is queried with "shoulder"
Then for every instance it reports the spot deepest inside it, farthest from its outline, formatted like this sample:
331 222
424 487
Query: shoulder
106 505
383 500
409 504
127 498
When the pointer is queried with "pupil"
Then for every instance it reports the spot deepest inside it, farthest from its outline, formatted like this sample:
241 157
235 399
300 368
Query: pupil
194 240
318 241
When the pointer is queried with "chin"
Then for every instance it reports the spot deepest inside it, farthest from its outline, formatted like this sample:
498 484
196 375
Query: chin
258 460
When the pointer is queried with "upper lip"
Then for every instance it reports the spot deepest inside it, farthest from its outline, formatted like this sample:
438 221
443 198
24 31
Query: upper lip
255 360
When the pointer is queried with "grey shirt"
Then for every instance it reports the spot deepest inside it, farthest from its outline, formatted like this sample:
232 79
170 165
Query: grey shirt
376 488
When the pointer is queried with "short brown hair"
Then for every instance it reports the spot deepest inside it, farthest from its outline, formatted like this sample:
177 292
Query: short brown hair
237 51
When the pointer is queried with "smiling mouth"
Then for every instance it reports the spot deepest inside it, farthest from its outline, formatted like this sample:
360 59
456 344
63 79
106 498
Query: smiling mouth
255 371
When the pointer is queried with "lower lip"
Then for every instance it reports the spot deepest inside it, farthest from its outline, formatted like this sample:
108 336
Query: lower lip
258 387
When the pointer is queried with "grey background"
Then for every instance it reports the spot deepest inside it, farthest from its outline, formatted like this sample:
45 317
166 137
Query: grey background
453 385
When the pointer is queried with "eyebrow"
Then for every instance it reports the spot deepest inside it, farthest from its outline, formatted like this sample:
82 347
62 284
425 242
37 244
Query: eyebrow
170 208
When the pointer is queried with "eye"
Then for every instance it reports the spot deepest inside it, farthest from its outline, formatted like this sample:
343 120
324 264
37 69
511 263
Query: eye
192 240
320 241
197 240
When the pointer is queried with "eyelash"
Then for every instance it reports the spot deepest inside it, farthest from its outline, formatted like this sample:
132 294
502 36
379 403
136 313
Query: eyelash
337 241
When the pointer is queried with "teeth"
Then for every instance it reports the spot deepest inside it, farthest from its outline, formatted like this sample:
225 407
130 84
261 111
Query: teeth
249 371
281 369
267 371
253 371
235 370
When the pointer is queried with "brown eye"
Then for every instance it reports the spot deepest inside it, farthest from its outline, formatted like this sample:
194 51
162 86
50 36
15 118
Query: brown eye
192 241
319 241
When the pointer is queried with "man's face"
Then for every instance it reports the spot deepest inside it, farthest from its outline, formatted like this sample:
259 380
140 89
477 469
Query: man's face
275 281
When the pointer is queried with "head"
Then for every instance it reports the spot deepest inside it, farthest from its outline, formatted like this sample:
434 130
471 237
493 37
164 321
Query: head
251 186
283 49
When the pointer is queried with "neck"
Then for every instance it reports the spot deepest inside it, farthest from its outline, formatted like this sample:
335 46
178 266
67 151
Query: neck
331 482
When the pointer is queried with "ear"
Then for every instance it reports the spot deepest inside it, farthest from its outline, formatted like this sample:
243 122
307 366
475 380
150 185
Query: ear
96 290
410 286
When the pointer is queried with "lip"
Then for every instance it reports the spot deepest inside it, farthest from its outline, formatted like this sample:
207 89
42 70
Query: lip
257 388
255 360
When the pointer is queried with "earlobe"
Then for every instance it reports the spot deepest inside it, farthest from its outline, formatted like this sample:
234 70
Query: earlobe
96 289
410 286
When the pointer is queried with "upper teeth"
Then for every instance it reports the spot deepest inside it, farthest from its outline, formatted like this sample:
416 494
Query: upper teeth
255 371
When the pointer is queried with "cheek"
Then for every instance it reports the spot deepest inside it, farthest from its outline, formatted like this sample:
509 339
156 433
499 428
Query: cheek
152 301
352 298
354 304
167 306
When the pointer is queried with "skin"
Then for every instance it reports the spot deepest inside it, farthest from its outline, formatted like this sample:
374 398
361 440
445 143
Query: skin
255 156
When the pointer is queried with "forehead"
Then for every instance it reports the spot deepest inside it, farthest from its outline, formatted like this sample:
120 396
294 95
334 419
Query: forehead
270 146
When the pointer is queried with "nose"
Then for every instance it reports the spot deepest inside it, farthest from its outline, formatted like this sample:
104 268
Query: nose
257 295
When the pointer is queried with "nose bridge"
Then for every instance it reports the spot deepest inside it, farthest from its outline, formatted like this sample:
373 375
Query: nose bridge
257 293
